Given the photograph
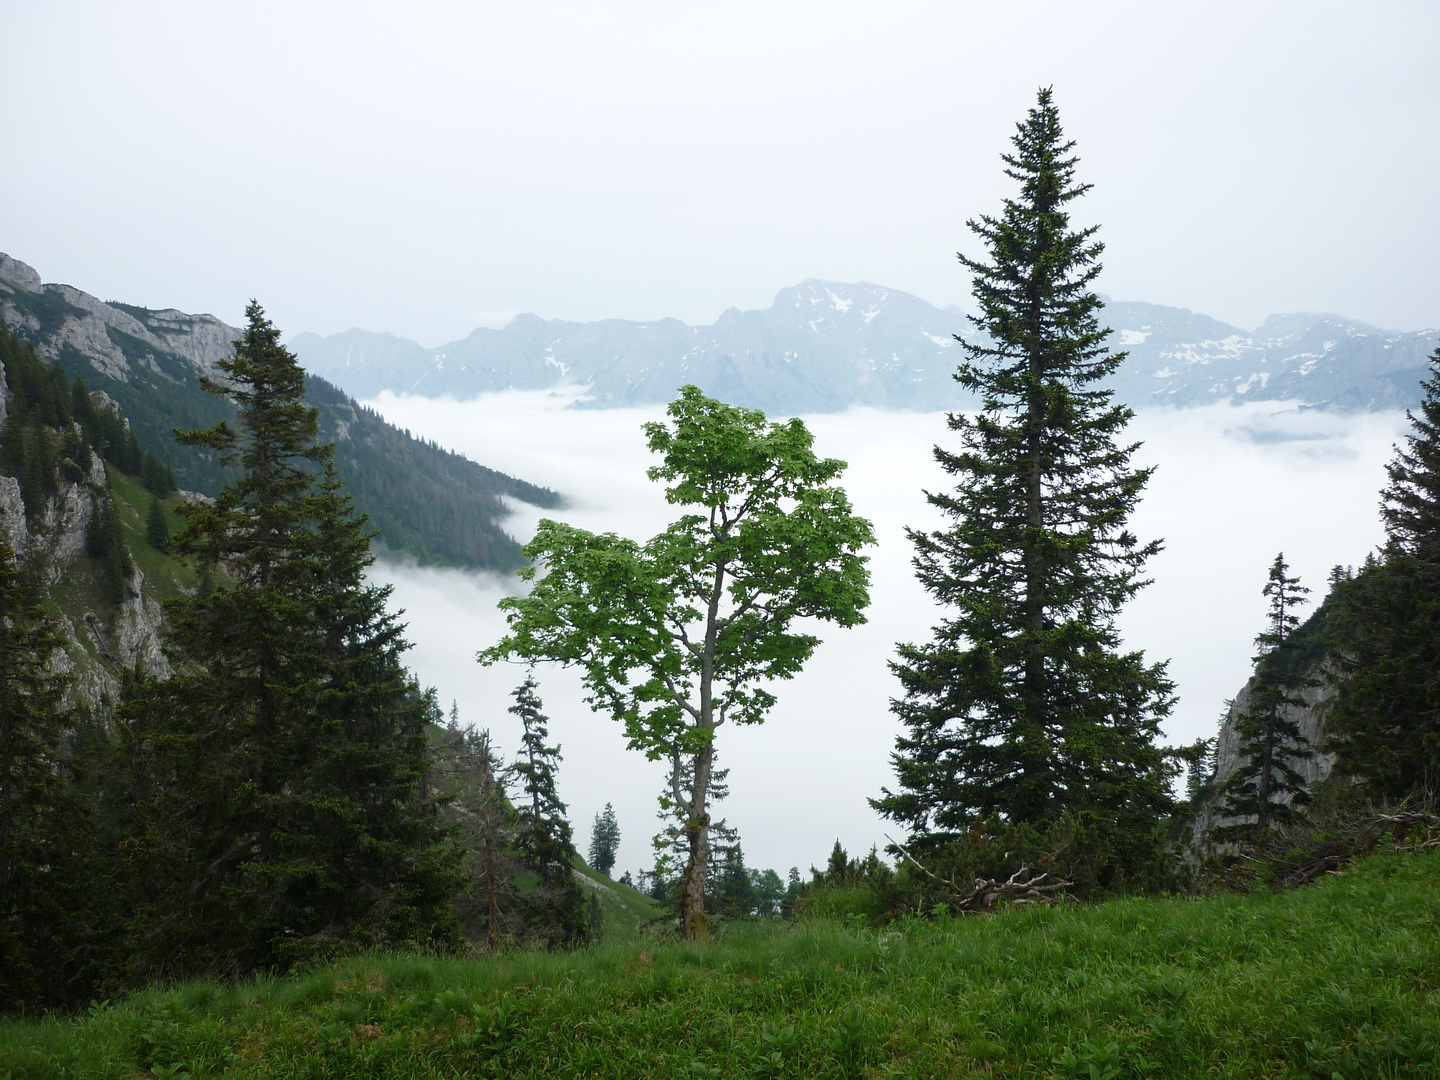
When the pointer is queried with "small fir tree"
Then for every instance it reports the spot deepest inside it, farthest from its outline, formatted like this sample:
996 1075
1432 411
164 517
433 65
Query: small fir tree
542 833
604 840
555 909
1024 705
157 525
1266 786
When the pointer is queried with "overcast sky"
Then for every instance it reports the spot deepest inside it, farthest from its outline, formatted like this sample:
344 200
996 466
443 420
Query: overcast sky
427 168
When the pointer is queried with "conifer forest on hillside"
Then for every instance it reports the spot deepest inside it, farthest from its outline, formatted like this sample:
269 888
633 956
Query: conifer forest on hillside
238 836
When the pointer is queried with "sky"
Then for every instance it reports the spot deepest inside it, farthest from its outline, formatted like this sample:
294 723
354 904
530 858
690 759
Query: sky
428 168
1234 485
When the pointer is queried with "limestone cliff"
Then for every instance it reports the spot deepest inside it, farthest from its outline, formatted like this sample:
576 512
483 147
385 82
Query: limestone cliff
103 640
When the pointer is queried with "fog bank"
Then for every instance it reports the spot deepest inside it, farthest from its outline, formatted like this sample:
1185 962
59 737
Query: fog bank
1234 485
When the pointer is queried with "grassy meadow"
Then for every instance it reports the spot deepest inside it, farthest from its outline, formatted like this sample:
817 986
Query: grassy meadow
1341 979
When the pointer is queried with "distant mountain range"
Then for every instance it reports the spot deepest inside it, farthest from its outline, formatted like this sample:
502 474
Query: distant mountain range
824 346
429 503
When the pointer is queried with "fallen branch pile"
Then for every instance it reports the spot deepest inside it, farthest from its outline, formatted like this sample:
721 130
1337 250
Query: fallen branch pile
988 892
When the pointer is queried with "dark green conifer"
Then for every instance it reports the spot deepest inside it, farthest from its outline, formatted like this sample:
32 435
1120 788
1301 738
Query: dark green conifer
290 745
157 525
542 835
46 828
1023 705
1384 725
1266 788
604 840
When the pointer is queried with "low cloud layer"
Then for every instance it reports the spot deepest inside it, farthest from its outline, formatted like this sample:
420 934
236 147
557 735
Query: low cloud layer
1234 485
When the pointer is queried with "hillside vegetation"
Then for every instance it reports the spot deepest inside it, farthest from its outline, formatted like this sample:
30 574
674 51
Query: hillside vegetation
1339 980
428 503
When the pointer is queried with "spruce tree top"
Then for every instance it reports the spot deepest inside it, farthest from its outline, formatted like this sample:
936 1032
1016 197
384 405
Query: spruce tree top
275 449
1411 502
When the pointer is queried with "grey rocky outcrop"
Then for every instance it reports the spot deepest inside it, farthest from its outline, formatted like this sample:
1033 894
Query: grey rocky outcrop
96 654
89 326
1310 719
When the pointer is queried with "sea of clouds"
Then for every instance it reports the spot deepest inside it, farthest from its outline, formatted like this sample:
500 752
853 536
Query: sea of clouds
1234 485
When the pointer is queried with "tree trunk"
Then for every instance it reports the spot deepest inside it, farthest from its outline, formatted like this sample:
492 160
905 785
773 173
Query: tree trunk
1033 750
492 916
697 831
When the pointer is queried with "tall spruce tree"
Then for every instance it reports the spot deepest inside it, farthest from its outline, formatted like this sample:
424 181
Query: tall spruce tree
1266 788
1023 706
289 755
1384 725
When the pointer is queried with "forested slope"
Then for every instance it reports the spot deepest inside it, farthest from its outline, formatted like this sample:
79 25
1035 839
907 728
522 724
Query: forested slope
428 503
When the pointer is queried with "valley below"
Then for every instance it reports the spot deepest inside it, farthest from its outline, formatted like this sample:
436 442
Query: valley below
1233 485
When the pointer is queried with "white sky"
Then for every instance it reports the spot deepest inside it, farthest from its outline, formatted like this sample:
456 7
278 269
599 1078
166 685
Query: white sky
425 168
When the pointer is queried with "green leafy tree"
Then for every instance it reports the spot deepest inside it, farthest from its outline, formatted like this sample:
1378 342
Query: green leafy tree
1384 725
674 637
604 840
1266 787
289 751
1024 706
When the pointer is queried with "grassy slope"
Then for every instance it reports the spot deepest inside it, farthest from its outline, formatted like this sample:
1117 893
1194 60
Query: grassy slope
626 910
1342 978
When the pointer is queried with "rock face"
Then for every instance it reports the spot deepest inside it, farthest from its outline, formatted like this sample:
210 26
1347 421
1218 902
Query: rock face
103 644
1311 721
429 503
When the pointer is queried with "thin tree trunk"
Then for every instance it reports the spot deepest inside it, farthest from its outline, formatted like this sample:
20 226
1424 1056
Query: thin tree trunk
1033 750
697 823
492 917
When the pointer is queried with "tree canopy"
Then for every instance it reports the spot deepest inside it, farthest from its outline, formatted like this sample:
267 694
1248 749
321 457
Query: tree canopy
681 634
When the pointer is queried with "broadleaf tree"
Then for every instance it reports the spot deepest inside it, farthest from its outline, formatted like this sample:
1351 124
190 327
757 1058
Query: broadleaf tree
682 634
1024 706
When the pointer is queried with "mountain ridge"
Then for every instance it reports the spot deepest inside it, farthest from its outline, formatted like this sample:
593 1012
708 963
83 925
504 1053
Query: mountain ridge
824 346
428 503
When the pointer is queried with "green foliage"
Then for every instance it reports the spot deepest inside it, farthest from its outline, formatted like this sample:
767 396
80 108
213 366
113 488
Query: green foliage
282 793
429 503
1265 786
1384 726
157 525
1333 980
1023 704
47 836
675 637
604 840
542 834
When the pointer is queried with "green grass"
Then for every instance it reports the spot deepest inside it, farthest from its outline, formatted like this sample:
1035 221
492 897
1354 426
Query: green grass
164 574
1335 980
627 910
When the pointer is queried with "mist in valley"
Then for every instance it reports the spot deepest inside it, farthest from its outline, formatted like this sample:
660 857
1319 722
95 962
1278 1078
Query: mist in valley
1234 485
